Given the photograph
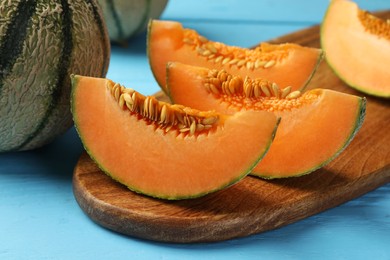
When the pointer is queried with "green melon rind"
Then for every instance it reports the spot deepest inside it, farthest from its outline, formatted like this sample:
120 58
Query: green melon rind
120 29
18 110
153 10
65 59
74 80
321 57
346 81
60 103
145 17
358 124
115 16
49 116
15 31
104 37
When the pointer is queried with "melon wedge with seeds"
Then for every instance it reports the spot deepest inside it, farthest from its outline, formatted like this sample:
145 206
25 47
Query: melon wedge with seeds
315 126
286 64
357 46
162 150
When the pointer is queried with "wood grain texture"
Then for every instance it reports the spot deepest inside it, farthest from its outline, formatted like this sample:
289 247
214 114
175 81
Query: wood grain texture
252 205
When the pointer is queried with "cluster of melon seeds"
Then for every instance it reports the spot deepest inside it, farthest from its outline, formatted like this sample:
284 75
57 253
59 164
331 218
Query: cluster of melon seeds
264 56
374 24
164 115
257 94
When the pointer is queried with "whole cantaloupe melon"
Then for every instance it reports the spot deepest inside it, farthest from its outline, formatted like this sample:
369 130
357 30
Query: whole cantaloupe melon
41 43
126 18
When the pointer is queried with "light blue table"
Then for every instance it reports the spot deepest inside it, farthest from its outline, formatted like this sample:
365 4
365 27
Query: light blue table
40 219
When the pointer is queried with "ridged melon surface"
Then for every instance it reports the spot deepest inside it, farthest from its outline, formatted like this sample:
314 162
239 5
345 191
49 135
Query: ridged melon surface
126 18
41 44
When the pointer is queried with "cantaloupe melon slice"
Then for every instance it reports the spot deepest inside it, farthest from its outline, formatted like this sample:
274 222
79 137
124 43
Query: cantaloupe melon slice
315 126
357 46
286 64
162 150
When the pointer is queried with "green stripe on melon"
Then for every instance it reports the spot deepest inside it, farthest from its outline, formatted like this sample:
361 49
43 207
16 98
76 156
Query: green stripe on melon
125 19
50 40
111 10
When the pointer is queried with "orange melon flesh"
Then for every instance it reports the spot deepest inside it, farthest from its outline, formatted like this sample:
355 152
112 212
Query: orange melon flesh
165 163
359 54
167 41
311 133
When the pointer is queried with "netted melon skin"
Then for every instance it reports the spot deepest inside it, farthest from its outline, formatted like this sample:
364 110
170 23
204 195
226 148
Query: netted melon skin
41 44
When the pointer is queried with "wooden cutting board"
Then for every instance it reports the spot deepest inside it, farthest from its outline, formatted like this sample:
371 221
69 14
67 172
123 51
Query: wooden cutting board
252 205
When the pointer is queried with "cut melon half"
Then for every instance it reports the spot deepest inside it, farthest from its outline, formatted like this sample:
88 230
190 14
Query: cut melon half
286 64
162 150
315 126
357 46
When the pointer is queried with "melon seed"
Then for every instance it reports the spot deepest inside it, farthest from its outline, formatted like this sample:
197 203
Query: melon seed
179 117
285 92
187 120
259 63
211 57
249 65
127 97
218 59
265 90
146 107
183 130
257 91
222 75
192 128
163 114
275 90
269 64
240 63
225 60
117 92
135 105
247 87
166 116
209 120
121 101
206 53
233 84
200 50
199 127
214 89
188 41
233 61
211 48
202 39
293 94
151 109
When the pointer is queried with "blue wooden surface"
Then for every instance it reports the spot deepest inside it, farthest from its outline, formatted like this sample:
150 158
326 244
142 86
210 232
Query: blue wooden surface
40 219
